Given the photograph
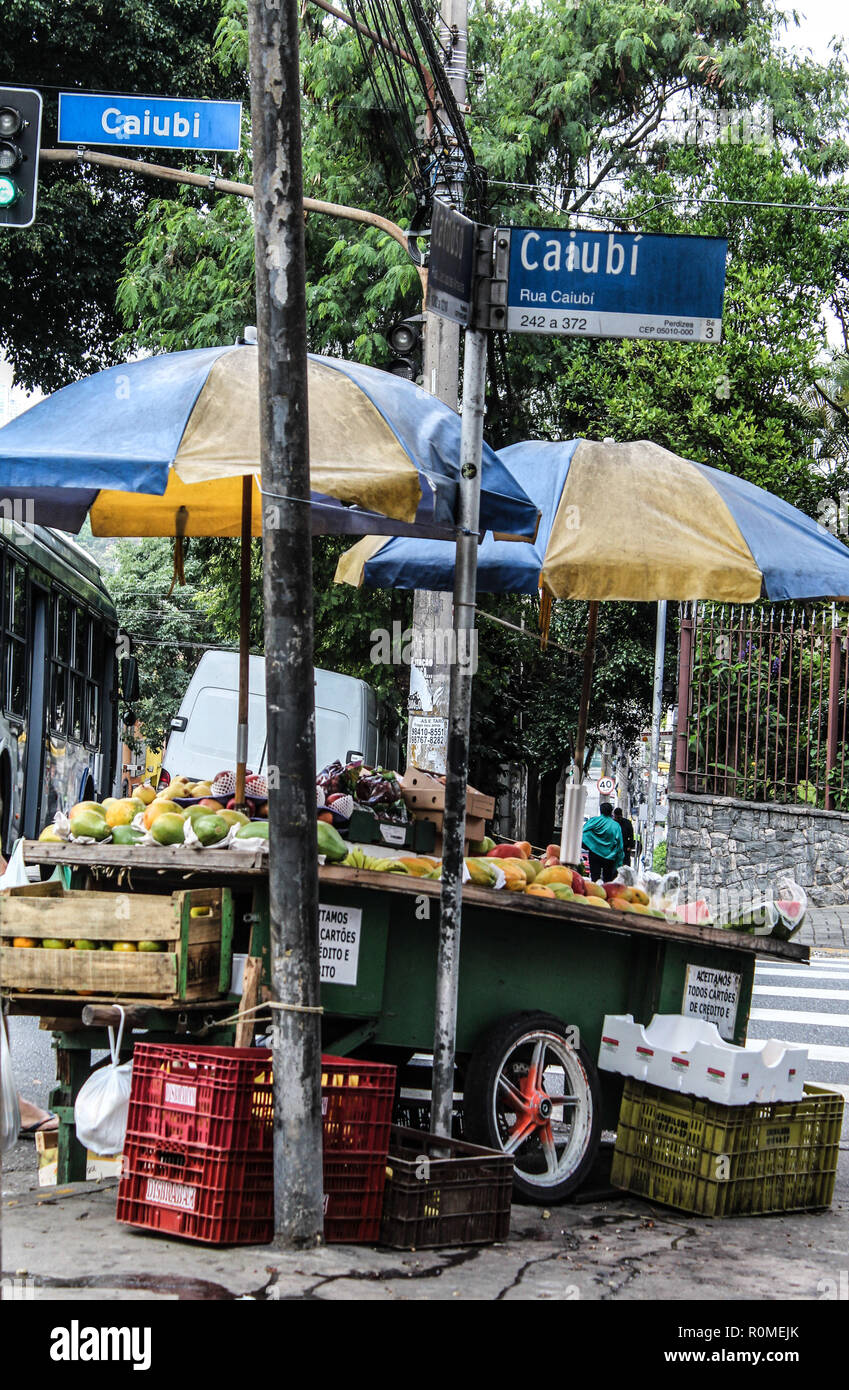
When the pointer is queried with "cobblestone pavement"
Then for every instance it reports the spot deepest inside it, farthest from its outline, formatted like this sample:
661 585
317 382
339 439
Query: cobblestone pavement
826 927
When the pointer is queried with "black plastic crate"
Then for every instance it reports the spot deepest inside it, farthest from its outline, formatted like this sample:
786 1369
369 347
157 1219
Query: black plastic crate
444 1192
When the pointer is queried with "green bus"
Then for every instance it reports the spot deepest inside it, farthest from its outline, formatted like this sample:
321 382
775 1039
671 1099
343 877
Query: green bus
58 680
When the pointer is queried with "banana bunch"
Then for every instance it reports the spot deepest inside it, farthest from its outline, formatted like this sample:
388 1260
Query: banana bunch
357 858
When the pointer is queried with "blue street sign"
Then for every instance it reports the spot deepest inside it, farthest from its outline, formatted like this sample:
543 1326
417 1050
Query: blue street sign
615 284
171 123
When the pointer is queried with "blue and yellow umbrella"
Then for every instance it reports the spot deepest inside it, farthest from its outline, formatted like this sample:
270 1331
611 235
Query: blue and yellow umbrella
632 522
159 447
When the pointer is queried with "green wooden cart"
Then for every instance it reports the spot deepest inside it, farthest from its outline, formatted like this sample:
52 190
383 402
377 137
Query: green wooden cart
536 980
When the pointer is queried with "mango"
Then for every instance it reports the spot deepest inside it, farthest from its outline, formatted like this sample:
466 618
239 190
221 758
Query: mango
121 812
594 890
560 890
235 817
534 891
50 836
144 793
168 829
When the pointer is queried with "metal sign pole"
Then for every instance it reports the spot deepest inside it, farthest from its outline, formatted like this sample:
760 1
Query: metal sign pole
657 713
454 822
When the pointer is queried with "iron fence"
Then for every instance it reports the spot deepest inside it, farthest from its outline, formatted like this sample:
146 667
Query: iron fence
763 703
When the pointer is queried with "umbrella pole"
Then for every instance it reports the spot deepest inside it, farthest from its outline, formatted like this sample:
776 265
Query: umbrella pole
244 637
586 688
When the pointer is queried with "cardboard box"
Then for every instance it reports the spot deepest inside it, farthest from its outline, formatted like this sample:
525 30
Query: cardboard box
98 1166
422 792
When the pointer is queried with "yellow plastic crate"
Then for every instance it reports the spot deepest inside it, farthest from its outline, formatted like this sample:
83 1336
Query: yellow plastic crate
728 1160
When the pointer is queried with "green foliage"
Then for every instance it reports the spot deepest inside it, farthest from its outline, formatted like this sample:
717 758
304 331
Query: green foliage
60 276
658 862
164 627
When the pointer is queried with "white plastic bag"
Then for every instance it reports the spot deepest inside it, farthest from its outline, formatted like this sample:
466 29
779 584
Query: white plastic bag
15 875
103 1103
11 1116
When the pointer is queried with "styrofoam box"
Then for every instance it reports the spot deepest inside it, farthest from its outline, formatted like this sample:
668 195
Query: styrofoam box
688 1055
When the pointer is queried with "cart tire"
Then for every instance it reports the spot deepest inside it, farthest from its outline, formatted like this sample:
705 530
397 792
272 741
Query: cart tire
515 1072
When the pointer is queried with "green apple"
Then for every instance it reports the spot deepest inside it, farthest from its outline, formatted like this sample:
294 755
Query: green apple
51 944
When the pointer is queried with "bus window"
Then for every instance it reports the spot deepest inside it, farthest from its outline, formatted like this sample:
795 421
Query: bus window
62 631
14 641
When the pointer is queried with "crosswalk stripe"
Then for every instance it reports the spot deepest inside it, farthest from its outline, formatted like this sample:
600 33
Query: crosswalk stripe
802 974
793 992
800 1016
817 1052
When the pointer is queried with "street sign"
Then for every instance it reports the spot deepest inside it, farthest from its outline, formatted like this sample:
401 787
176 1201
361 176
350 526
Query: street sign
451 266
606 786
171 123
615 284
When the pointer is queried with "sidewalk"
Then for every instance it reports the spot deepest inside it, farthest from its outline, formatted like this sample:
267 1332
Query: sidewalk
826 927
64 1244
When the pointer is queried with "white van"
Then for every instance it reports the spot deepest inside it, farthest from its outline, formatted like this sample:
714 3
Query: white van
202 741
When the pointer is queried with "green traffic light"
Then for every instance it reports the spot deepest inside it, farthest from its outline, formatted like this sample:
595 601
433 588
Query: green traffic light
9 191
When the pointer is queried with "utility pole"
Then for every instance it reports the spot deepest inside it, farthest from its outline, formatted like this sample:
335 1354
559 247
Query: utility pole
657 715
287 583
433 613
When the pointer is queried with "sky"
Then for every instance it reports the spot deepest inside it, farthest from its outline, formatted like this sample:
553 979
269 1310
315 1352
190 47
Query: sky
820 20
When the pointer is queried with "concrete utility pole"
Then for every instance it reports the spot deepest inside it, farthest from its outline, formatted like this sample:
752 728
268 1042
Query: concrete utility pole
657 715
430 670
287 582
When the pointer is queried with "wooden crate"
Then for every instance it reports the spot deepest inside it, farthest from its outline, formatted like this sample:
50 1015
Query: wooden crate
195 963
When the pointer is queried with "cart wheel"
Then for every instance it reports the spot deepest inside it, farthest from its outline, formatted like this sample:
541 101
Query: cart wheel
531 1093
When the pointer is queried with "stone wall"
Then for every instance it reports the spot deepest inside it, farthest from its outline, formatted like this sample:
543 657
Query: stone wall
728 844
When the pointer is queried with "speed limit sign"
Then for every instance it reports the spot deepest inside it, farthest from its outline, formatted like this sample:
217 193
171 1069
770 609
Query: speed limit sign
606 786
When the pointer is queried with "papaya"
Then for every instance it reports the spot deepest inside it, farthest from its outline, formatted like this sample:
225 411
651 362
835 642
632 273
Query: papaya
121 812
330 843
93 806
161 807
514 874
254 830
89 824
556 873
126 835
210 829
482 872
169 829
418 865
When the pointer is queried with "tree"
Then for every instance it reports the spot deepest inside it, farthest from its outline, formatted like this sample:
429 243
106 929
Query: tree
165 627
60 277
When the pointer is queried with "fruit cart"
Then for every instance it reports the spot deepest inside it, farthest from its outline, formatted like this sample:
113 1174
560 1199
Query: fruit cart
537 977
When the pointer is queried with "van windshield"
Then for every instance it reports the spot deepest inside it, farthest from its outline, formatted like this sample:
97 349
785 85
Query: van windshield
211 729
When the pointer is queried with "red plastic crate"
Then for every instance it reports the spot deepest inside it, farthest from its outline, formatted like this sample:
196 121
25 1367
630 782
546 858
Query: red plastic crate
221 1096
198 1193
356 1105
353 1198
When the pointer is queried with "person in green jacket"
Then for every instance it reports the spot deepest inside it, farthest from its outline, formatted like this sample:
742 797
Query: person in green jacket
602 839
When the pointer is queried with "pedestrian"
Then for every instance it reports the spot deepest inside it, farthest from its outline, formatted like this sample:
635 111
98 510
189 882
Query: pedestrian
602 840
627 829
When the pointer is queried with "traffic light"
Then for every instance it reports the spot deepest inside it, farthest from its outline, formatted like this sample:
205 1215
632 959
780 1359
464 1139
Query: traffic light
405 340
20 139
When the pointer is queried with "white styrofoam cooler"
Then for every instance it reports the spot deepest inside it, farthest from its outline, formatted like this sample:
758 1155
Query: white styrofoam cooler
688 1055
